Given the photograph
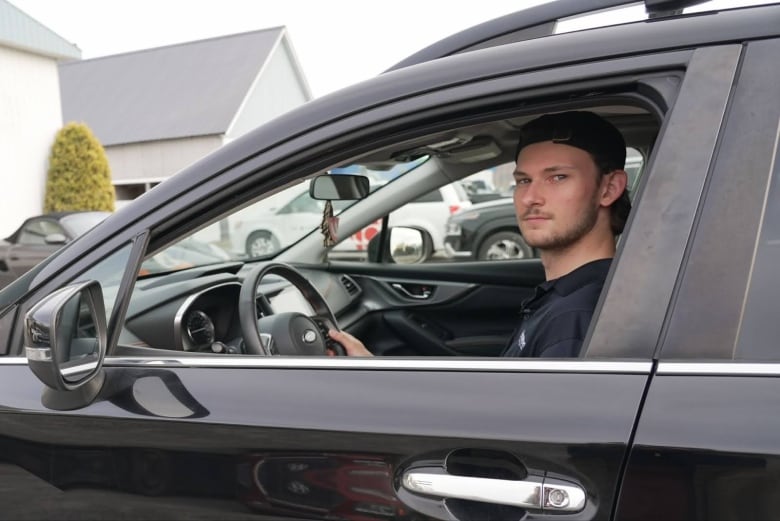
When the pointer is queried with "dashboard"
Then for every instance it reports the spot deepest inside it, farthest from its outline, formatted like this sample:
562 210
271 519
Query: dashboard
197 310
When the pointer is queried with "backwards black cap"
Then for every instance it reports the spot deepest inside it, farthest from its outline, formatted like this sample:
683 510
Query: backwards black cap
584 130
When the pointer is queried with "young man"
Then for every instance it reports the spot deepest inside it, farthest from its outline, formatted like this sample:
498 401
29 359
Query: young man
571 202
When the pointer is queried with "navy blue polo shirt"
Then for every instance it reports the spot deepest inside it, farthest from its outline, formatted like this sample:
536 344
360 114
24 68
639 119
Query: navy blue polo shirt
556 318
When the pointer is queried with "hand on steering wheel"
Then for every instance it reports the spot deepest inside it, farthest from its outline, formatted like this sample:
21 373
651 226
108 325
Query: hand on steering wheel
352 346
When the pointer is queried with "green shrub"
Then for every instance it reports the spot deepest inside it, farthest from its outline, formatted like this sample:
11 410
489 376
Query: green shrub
79 177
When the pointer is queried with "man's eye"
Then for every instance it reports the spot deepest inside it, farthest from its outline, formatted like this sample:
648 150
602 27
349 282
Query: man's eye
557 178
523 181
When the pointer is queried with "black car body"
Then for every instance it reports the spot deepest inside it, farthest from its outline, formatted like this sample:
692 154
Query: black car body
118 399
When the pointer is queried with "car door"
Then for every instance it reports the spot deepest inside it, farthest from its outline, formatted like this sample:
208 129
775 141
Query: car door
440 309
239 437
707 440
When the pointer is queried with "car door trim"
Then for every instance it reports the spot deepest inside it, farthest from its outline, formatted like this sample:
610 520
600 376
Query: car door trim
719 368
470 365
402 364
559 366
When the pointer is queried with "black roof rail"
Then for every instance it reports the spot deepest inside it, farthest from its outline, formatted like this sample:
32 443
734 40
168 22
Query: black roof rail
534 22
657 8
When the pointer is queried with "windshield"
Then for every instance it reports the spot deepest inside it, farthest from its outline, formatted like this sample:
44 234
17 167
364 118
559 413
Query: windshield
269 225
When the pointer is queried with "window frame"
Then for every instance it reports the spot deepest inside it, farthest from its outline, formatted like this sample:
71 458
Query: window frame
632 310
711 294
395 120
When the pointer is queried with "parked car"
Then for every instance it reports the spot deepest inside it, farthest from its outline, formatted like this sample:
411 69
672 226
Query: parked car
196 393
265 228
486 231
429 213
41 235
479 192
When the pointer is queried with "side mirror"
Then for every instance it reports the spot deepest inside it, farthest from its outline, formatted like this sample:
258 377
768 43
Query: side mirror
55 238
339 187
65 341
405 246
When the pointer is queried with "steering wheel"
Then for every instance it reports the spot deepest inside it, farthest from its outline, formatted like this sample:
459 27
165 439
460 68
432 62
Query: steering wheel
289 333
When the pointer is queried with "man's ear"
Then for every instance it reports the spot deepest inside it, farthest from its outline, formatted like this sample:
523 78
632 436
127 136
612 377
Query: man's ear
613 185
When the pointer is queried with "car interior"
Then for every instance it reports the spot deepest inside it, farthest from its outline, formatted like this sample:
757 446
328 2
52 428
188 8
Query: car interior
436 308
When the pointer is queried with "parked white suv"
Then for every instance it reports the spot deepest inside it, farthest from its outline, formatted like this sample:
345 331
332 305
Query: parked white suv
276 221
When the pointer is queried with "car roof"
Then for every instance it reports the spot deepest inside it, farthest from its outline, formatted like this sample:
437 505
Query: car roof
533 22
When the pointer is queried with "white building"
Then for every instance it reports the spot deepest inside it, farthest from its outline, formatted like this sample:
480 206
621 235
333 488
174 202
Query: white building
30 112
155 111
158 110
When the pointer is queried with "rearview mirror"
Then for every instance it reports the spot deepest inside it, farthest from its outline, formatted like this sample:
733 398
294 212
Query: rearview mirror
339 187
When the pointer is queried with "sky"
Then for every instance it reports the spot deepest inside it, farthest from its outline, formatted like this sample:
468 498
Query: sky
337 42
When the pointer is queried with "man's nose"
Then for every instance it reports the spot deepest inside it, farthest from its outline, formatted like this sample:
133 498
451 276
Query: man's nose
531 195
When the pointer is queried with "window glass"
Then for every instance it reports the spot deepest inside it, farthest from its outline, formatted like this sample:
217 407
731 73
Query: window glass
108 272
35 232
303 204
434 196
81 222
635 162
447 219
275 222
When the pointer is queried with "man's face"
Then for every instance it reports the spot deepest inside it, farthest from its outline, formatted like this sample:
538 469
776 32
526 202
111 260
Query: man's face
556 194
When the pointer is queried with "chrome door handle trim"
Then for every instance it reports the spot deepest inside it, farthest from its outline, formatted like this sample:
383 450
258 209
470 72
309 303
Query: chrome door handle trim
401 289
534 493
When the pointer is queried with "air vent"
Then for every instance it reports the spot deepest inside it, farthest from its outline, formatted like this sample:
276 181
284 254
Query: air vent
350 285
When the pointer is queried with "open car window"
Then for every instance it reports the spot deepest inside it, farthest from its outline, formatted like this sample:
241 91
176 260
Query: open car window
429 199
471 219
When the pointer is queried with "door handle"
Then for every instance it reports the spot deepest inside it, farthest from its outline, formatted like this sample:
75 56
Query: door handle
534 493
415 291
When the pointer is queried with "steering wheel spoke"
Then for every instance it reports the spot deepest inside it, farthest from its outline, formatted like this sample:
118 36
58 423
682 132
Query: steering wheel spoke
286 334
264 306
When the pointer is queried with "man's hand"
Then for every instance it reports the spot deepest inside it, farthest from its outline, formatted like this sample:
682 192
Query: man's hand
352 345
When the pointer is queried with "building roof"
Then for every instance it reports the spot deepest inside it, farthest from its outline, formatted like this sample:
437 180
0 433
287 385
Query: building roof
183 90
19 31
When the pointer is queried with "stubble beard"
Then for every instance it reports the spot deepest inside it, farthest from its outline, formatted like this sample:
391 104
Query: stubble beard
564 239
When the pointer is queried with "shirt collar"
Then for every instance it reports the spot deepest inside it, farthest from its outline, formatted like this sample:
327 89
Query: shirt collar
570 282
579 277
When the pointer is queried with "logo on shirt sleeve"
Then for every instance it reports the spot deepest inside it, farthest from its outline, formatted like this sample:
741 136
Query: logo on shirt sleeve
521 340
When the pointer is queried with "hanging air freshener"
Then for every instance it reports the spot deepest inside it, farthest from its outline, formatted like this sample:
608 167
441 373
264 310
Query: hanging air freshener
329 226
